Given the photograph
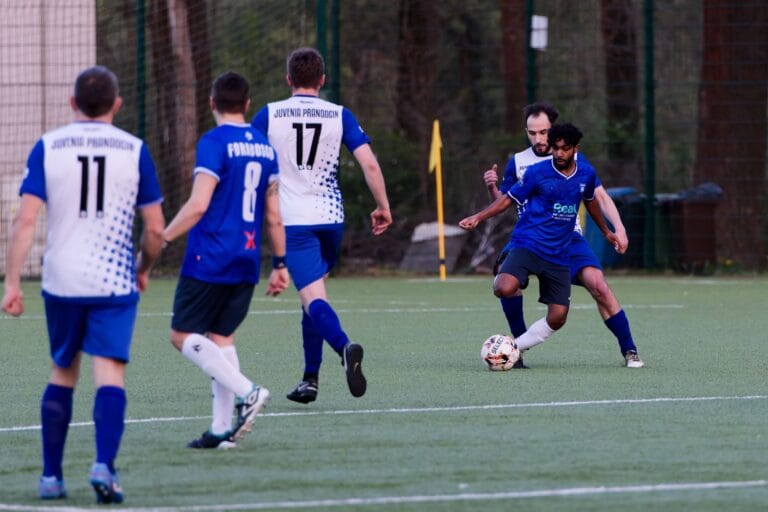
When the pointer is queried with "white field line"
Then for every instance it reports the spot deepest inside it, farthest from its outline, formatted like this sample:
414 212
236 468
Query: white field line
379 310
417 410
657 488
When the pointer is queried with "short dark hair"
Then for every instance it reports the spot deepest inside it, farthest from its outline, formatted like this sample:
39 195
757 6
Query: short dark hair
306 67
565 132
230 93
538 108
95 91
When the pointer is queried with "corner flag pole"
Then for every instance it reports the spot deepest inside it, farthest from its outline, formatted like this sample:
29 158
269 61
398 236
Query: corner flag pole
436 164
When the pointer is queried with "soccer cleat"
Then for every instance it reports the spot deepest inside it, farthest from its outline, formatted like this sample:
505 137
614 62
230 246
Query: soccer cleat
51 488
105 483
519 364
632 360
209 440
304 392
352 359
247 410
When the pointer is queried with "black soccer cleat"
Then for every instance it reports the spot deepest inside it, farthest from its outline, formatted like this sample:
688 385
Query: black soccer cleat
208 440
352 359
520 365
304 392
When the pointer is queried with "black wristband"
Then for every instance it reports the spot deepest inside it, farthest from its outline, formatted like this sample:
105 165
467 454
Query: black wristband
278 261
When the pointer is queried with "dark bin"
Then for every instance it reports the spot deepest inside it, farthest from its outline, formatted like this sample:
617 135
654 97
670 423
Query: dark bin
630 206
693 226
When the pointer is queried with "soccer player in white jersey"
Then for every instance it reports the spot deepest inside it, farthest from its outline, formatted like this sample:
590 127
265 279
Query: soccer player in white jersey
92 176
586 270
548 199
307 133
235 187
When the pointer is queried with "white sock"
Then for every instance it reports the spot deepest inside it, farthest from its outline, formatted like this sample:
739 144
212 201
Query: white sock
209 357
536 333
223 400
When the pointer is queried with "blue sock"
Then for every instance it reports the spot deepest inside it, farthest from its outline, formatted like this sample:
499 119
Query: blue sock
327 324
55 415
313 347
513 310
619 326
108 417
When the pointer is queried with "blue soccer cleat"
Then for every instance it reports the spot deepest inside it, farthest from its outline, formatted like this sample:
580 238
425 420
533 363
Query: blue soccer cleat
105 483
51 488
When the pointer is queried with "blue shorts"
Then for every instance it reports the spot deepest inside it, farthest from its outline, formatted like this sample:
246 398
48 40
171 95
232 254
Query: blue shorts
97 329
554 282
202 308
312 251
581 255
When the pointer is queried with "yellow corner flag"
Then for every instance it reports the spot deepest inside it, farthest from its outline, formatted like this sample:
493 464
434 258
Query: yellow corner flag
436 164
437 145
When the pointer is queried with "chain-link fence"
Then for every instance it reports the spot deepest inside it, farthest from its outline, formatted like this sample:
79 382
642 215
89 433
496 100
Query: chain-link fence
670 95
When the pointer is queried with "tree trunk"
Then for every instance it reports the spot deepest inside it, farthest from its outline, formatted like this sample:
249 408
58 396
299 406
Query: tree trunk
732 125
617 23
513 48
176 110
418 51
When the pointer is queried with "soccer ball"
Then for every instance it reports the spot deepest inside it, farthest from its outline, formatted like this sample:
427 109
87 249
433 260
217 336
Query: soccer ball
499 353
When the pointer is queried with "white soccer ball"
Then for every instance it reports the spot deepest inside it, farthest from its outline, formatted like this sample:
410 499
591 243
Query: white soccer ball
499 353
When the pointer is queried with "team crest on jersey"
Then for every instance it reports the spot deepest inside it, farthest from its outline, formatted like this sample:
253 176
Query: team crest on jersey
248 136
582 186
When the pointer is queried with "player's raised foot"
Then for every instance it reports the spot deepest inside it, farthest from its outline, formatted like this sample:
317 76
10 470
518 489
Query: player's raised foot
209 440
247 410
105 484
51 488
632 360
304 392
352 359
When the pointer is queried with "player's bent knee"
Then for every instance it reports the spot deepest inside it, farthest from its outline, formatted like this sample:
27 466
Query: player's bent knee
505 285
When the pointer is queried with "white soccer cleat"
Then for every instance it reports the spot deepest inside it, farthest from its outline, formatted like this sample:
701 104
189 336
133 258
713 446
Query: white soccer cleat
632 360
251 406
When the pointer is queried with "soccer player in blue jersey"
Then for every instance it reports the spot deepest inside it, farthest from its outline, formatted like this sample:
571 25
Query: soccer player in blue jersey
91 176
235 186
548 199
585 267
307 133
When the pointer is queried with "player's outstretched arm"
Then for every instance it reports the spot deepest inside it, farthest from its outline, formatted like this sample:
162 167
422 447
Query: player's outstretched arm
381 217
195 207
608 208
19 242
151 243
498 206
278 279
593 208
491 180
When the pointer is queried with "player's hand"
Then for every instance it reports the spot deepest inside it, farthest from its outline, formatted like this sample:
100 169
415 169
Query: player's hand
490 177
469 223
380 220
13 301
142 281
278 282
622 242
613 240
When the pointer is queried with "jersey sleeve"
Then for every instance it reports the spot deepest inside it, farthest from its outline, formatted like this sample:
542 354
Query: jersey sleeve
34 175
210 157
510 176
581 159
522 190
260 121
353 135
149 187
